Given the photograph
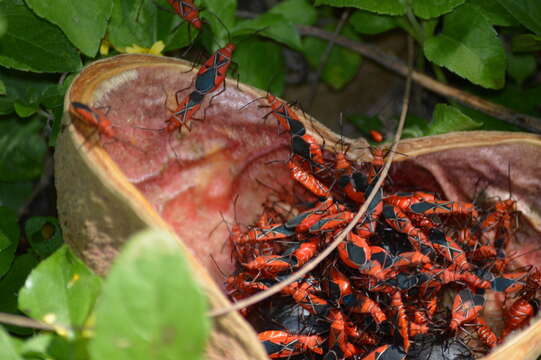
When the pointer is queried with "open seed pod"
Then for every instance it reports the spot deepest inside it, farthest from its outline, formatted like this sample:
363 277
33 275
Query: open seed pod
197 183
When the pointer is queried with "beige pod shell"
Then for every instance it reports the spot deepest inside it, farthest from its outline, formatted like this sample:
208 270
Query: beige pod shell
99 208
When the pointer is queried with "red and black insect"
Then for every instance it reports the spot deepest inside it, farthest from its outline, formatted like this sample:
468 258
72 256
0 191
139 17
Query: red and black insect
466 308
93 117
401 319
309 181
184 113
188 11
280 344
212 73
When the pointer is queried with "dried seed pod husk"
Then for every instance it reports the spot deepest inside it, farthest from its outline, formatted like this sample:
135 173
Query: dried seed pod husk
196 184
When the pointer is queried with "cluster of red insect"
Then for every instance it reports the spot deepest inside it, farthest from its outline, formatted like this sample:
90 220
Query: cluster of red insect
384 288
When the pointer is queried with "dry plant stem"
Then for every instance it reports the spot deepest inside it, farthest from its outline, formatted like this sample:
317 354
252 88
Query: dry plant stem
25 322
524 121
325 57
315 262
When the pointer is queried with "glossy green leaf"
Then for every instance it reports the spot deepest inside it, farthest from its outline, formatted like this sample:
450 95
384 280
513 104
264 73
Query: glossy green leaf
3 24
447 118
469 47
9 238
151 307
66 349
427 9
527 12
415 127
44 234
220 16
22 150
526 43
33 44
83 22
142 23
36 346
8 350
365 22
494 12
388 7
296 11
273 26
3 90
23 110
10 285
342 64
60 291
9 228
253 55
15 194
521 66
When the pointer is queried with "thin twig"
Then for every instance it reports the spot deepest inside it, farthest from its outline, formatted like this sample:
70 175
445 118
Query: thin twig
325 57
22 321
313 263
391 62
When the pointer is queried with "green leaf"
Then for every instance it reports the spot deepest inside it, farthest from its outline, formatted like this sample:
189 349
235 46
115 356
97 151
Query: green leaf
521 66
224 9
447 118
23 110
3 90
9 228
3 25
10 285
342 64
368 23
141 22
469 47
60 291
44 234
388 7
296 11
527 12
415 127
151 306
66 349
83 22
526 43
32 89
273 26
33 44
8 350
15 194
495 13
9 238
427 9
22 150
253 55
36 346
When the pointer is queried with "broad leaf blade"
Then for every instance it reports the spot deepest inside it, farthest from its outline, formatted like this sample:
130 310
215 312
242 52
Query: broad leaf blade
342 64
427 9
60 291
388 7
365 22
8 350
470 47
273 26
83 22
252 56
150 308
447 118
296 11
527 12
33 44
9 238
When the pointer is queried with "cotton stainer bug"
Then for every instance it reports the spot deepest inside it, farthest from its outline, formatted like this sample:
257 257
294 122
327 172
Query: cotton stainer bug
94 118
279 344
287 118
466 308
188 11
401 319
212 73
184 113
303 176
